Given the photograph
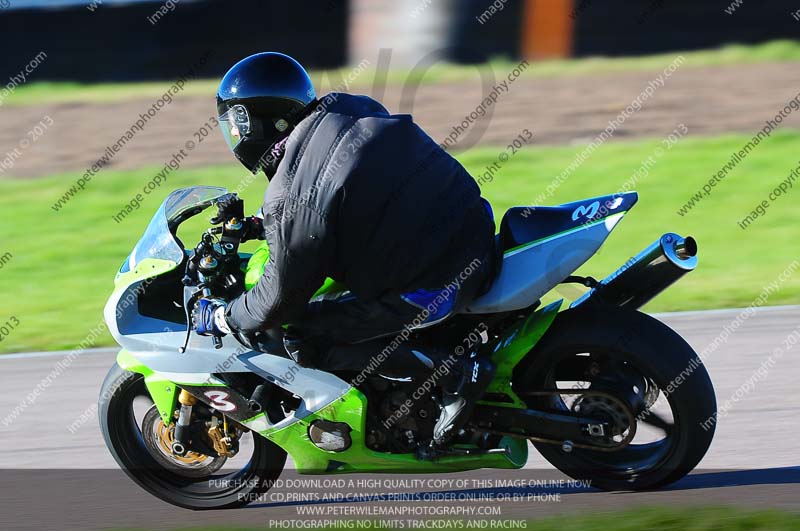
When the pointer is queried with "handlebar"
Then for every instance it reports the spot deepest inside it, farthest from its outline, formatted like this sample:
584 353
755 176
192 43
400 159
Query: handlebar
205 269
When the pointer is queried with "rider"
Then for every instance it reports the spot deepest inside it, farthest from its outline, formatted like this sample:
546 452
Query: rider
363 197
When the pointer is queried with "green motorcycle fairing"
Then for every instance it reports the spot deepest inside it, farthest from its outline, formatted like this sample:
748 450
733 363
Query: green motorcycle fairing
351 410
255 269
511 348
163 392
292 435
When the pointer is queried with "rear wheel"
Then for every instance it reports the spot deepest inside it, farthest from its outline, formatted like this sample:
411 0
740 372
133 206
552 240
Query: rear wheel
140 443
649 368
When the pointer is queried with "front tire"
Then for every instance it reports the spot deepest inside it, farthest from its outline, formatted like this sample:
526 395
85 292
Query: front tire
630 342
123 436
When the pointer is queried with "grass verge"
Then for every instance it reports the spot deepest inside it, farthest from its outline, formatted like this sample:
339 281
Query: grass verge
62 264
640 519
38 93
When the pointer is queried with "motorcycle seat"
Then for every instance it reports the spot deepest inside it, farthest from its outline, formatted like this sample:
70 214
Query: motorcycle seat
541 246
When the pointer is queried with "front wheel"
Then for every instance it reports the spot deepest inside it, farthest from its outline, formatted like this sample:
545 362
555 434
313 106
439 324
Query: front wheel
645 364
140 443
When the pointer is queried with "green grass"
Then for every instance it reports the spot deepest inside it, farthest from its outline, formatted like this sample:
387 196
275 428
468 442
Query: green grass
673 519
735 264
63 263
640 519
37 93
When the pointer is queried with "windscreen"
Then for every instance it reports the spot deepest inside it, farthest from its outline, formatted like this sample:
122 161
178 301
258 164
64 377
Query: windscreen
157 240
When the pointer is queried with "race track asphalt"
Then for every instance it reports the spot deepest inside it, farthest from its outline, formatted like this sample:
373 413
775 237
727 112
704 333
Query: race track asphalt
57 474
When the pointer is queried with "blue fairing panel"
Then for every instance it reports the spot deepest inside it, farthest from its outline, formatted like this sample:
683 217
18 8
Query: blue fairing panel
439 303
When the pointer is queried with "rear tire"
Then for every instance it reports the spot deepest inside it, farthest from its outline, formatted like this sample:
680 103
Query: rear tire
658 353
125 441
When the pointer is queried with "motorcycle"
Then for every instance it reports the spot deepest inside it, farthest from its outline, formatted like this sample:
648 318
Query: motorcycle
605 393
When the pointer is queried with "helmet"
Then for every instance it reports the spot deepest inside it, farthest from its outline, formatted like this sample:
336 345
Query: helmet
259 101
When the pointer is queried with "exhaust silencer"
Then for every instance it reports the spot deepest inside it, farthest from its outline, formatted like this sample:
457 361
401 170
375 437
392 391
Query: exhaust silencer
643 277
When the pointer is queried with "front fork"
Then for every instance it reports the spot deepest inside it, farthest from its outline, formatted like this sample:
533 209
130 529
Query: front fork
167 396
187 401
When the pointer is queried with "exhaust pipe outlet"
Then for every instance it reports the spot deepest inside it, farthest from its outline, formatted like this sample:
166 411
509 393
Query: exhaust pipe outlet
643 277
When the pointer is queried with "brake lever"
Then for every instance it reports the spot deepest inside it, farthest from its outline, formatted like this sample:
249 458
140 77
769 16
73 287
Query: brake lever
187 306
200 292
195 266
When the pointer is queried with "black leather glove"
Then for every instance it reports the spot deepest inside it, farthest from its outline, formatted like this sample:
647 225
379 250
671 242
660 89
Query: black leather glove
301 352
253 228
228 206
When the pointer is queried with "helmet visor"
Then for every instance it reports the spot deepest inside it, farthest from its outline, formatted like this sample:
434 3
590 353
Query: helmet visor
235 125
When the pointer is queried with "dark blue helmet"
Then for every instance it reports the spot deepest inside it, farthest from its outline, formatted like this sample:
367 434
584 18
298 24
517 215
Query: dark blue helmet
260 100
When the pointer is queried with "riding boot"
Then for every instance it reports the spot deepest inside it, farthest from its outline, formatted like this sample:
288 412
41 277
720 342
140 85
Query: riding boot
459 395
